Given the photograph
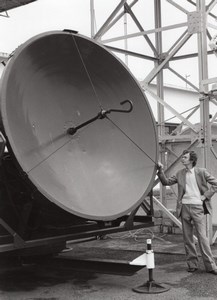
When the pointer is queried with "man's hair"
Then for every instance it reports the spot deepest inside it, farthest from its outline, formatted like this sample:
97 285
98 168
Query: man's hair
192 157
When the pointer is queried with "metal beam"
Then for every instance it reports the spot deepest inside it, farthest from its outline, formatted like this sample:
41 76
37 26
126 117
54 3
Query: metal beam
139 55
110 18
170 108
184 24
129 10
156 70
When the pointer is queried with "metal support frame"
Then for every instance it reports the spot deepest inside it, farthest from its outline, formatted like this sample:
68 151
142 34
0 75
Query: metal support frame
196 25
89 232
23 238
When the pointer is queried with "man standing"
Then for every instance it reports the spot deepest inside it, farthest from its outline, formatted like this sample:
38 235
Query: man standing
193 203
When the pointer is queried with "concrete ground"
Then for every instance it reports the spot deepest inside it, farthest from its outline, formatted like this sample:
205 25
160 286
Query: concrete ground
56 281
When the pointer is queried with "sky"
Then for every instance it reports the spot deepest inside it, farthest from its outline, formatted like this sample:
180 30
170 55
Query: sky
47 15
29 20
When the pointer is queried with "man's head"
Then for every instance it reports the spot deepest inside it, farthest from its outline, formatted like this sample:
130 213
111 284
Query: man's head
189 158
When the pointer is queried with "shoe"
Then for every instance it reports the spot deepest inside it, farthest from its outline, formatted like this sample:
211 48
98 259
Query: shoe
214 272
192 270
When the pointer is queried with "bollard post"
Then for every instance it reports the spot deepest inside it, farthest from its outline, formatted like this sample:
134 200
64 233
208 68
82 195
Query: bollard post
150 287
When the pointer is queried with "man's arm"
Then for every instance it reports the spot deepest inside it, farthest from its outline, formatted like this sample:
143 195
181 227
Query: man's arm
163 178
213 182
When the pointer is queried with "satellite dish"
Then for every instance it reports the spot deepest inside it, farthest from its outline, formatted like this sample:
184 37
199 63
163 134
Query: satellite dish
56 81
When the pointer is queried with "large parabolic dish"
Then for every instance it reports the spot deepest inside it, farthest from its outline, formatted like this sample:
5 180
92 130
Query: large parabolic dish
58 80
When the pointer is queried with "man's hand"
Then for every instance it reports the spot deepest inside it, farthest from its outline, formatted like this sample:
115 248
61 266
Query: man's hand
202 198
160 166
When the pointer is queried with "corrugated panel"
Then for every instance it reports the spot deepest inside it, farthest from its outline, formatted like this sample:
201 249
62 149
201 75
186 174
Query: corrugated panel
9 4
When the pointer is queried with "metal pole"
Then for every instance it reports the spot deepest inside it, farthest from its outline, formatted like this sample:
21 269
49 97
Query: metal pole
160 93
125 40
92 18
204 101
151 287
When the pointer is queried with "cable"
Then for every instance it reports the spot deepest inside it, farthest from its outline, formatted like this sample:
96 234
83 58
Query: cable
138 235
43 160
131 140
88 75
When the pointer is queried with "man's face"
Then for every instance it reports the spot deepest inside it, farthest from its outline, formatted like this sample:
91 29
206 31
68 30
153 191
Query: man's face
186 160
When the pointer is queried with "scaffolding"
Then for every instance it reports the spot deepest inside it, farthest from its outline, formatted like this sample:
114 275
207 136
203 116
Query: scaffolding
197 28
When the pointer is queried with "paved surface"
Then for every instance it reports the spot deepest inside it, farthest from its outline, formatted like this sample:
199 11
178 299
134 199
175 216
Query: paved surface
50 281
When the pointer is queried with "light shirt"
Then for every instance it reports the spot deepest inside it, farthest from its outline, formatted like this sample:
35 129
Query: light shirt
192 194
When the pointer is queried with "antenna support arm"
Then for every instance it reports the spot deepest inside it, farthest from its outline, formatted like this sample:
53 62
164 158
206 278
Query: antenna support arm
101 115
